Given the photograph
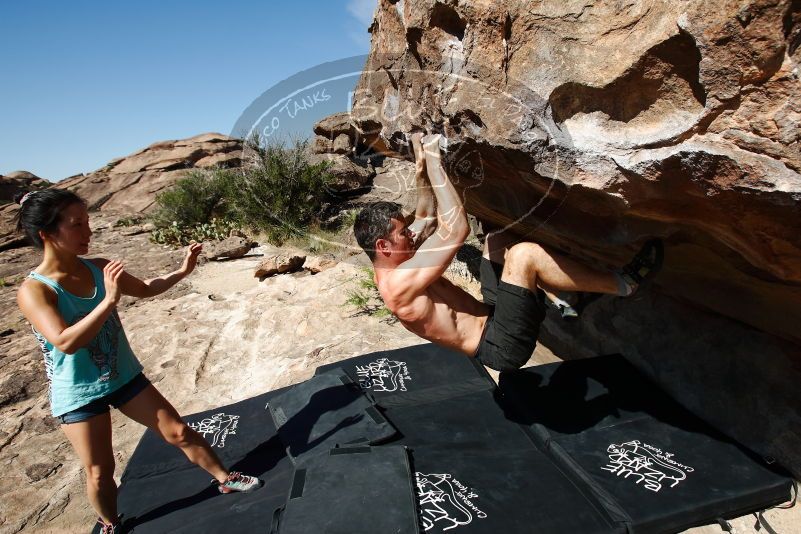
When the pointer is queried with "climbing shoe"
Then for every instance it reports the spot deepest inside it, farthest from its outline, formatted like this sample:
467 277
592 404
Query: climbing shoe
236 481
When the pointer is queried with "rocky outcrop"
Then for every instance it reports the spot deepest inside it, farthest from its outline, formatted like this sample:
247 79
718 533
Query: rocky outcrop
337 142
348 174
18 182
593 126
129 185
11 184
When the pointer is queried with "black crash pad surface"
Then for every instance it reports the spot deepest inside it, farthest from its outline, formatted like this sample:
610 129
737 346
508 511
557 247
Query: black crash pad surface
475 419
233 431
579 446
668 479
414 375
468 491
326 411
162 492
351 490
664 467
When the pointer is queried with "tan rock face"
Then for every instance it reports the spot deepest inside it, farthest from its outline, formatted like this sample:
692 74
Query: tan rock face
335 125
130 184
347 173
17 182
591 126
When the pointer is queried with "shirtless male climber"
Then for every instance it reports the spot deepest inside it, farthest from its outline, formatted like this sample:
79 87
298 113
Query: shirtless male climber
409 258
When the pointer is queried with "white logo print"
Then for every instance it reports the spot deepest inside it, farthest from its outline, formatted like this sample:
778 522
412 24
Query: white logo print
445 502
647 464
383 375
219 425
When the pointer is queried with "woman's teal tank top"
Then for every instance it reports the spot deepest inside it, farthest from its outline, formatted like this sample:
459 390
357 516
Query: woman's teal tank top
101 367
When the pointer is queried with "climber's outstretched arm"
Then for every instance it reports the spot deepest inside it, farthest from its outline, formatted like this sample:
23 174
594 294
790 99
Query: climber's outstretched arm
412 277
425 216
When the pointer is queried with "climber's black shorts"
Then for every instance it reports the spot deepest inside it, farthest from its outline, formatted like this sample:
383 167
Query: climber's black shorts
510 334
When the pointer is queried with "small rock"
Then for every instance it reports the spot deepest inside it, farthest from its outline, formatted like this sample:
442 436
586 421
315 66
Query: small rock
278 264
321 145
21 385
317 264
342 144
134 230
43 425
37 472
232 247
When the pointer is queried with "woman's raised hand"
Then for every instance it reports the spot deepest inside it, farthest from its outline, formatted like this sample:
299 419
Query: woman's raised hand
111 276
190 260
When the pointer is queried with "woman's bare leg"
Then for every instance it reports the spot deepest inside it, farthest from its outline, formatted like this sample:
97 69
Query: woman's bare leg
91 440
151 409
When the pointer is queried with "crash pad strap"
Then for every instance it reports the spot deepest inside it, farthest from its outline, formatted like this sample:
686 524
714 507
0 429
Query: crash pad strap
298 482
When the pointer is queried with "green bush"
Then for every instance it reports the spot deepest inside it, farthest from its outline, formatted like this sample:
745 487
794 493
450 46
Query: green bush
278 191
193 200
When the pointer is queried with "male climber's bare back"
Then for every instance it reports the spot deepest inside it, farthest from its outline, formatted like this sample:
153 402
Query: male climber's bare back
443 313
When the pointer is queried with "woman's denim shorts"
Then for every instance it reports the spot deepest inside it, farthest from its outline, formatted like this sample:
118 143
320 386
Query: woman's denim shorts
115 398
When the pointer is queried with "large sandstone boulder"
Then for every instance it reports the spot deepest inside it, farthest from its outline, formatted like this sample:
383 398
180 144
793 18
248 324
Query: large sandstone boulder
592 126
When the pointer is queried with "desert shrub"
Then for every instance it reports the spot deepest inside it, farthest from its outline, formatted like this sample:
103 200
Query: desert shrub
316 240
279 192
193 200
367 300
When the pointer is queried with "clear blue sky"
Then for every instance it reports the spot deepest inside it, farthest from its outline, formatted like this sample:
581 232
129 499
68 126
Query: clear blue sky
83 82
